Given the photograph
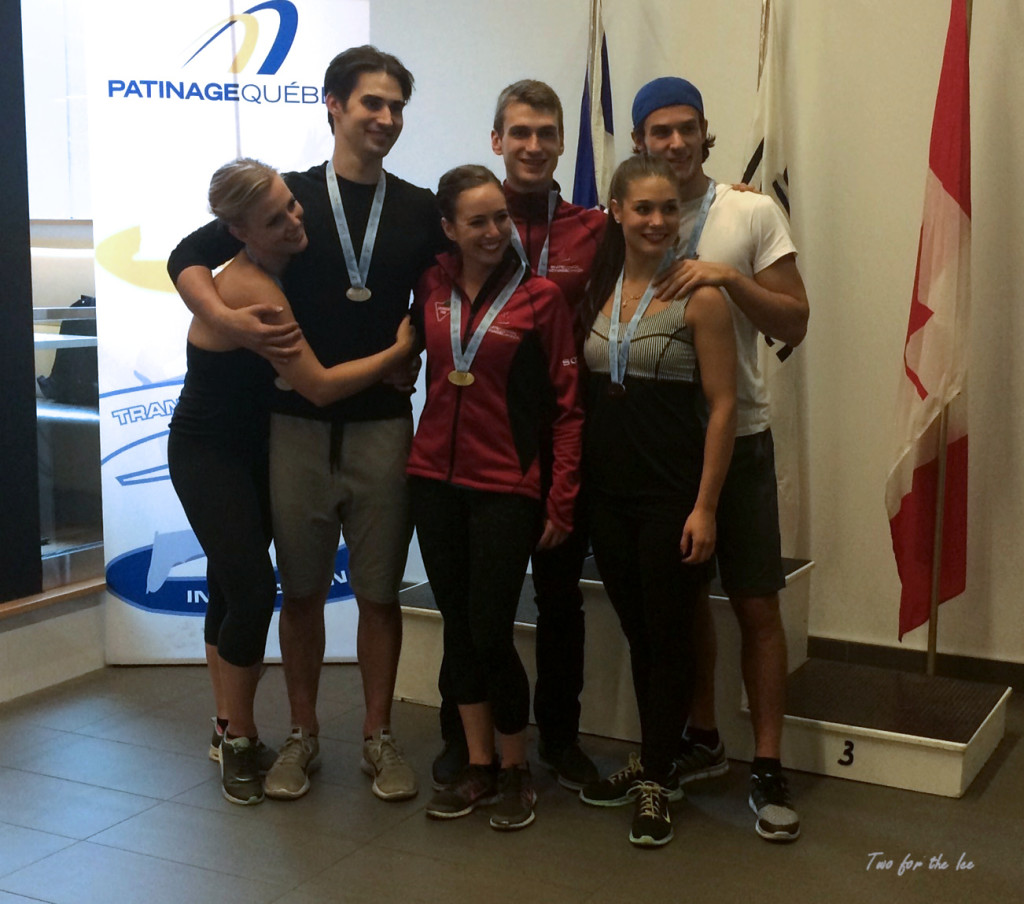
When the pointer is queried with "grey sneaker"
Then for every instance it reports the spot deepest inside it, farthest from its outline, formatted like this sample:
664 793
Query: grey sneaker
769 799
265 756
516 799
239 772
695 761
288 778
393 779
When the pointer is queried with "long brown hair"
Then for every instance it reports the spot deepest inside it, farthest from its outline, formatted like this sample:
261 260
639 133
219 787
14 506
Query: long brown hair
611 253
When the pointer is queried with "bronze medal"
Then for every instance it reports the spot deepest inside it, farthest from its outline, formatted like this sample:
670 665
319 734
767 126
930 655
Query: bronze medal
461 378
616 390
358 293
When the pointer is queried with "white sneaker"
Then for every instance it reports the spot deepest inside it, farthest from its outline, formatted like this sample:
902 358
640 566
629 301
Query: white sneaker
393 779
288 778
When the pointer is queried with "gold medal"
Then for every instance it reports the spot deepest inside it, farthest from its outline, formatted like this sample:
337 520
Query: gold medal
358 293
461 378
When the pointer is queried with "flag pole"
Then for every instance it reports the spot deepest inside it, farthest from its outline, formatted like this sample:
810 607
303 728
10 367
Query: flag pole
940 497
940 510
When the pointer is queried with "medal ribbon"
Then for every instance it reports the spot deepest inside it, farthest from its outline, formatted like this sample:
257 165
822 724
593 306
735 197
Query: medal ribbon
698 226
618 349
356 274
464 359
517 242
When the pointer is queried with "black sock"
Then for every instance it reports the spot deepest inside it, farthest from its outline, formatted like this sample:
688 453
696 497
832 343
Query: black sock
763 765
222 724
706 737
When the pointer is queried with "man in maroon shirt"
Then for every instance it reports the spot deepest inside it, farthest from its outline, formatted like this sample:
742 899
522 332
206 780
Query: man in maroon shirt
558 240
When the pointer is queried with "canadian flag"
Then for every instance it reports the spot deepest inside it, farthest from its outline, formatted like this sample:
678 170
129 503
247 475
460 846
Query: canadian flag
935 355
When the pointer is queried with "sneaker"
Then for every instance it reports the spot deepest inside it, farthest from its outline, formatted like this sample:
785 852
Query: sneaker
288 778
449 763
392 777
695 761
619 789
769 799
517 799
652 823
474 786
265 756
571 765
215 739
239 772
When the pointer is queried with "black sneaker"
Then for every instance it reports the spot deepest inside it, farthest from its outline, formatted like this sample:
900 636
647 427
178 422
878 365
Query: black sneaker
517 799
619 789
652 823
449 763
239 772
695 761
474 786
571 765
769 799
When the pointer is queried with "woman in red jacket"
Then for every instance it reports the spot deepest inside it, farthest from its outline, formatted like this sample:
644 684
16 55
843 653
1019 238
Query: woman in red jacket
501 363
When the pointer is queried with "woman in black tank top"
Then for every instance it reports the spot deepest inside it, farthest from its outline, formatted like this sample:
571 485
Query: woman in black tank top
217 452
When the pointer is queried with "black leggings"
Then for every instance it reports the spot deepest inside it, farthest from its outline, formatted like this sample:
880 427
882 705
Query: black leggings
475 547
223 489
653 593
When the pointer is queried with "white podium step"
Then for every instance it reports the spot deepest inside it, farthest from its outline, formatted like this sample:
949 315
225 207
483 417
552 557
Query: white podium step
608 705
855 722
898 729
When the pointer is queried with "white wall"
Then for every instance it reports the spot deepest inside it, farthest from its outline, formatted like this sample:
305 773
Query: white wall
862 77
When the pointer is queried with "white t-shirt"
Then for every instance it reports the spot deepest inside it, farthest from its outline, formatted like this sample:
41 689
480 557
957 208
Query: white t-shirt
747 231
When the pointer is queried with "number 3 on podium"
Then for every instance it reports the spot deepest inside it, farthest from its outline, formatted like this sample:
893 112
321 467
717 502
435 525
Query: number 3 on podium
847 758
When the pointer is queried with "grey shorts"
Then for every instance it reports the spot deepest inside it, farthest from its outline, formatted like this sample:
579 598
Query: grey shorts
365 497
748 548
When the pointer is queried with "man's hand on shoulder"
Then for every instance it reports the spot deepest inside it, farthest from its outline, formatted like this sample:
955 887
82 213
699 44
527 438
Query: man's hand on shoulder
686 275
249 327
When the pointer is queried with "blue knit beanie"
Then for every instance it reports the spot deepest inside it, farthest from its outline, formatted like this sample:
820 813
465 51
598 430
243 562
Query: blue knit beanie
665 92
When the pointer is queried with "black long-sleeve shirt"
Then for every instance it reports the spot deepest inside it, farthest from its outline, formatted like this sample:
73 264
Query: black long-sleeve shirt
337 329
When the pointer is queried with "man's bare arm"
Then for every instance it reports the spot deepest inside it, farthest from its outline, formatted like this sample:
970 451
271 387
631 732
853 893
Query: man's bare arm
774 300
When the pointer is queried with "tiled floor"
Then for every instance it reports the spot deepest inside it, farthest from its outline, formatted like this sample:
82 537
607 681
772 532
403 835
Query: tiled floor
107 795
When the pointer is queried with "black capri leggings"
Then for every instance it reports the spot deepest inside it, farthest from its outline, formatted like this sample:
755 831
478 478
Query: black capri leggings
654 594
224 491
476 546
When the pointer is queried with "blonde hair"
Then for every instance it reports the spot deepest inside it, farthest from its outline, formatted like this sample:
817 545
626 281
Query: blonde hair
236 186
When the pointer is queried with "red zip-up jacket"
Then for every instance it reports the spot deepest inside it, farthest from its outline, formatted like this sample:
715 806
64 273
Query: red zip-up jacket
575 234
487 436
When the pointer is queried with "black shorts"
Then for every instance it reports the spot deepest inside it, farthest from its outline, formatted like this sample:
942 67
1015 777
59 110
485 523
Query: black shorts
748 549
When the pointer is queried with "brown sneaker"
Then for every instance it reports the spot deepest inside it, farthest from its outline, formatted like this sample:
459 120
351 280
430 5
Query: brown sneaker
474 786
514 810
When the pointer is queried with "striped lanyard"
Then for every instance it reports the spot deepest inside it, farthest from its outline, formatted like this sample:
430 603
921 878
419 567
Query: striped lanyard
463 358
517 242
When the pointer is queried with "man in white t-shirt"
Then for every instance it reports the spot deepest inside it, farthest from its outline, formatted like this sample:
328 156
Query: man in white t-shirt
745 248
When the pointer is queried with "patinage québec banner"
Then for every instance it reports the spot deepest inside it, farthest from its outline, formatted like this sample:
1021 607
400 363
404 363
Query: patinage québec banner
176 90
